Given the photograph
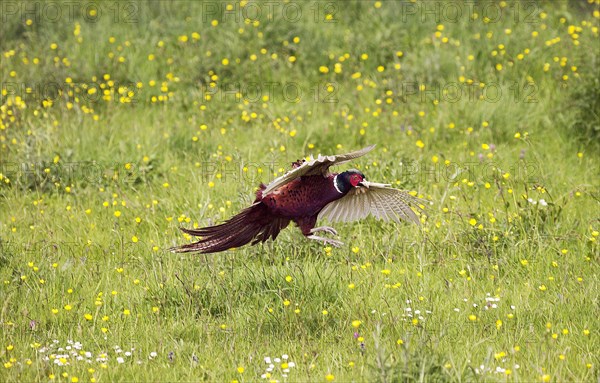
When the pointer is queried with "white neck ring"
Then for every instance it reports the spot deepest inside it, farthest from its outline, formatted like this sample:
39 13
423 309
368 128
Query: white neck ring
336 185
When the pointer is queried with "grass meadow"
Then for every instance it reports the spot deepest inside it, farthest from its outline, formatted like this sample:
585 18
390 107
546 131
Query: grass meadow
122 121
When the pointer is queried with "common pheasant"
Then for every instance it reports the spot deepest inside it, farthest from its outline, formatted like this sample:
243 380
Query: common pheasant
305 194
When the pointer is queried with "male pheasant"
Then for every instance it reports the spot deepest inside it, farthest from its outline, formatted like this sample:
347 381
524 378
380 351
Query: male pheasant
305 194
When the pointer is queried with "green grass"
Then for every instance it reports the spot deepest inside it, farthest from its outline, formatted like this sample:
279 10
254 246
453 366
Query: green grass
93 190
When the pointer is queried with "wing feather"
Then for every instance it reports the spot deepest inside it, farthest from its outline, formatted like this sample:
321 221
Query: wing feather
387 207
381 204
315 166
379 200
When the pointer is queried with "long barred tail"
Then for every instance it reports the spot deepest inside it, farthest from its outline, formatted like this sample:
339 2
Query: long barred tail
254 224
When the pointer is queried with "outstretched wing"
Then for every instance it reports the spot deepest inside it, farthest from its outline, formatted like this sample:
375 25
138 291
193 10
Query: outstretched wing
380 200
314 166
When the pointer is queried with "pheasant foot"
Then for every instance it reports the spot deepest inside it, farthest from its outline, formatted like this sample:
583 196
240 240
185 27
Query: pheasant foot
327 241
326 229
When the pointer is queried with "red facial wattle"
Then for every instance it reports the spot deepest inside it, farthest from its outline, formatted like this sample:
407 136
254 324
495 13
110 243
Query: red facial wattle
355 180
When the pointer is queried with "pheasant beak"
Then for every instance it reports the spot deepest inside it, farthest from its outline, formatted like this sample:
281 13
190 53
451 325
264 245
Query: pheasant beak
368 184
